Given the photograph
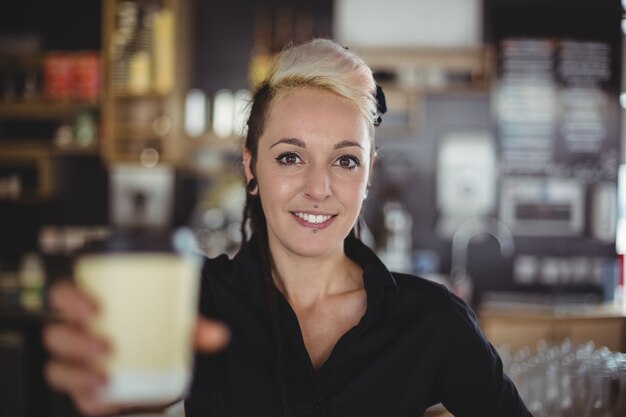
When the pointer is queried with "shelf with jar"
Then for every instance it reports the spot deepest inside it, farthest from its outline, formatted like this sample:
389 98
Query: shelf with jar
25 172
56 86
49 107
146 64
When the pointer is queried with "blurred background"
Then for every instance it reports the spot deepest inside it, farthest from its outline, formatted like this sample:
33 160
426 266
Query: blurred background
501 160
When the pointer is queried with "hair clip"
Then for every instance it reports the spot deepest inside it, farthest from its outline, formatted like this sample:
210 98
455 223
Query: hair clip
381 105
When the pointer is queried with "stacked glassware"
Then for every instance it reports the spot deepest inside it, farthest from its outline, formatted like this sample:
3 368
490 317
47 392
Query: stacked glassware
568 380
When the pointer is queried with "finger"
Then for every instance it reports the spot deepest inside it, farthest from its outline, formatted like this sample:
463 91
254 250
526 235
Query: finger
73 304
73 344
83 386
210 335
90 404
73 379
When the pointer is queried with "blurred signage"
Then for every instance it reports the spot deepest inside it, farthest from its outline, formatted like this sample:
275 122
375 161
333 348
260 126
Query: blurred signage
555 109
536 207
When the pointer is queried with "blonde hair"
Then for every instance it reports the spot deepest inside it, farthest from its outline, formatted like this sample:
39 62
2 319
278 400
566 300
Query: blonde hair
325 65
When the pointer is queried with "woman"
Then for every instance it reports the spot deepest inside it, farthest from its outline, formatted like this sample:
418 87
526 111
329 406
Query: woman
318 325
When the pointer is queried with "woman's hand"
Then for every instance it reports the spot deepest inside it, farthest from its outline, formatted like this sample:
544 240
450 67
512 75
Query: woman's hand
75 352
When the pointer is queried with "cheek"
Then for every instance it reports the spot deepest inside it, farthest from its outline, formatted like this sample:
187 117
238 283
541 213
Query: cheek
351 189
276 188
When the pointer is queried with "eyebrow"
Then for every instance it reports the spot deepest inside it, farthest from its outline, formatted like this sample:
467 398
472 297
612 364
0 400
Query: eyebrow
299 143
290 141
347 144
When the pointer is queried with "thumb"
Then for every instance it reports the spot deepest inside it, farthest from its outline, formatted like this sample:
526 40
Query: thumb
210 336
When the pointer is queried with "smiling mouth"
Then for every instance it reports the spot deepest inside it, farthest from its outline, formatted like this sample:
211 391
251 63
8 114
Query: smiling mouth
313 218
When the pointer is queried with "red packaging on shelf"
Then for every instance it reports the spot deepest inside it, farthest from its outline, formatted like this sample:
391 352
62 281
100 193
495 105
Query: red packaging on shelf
87 76
58 74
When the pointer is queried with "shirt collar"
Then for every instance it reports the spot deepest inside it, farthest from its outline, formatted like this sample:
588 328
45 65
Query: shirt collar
376 276
380 285
377 279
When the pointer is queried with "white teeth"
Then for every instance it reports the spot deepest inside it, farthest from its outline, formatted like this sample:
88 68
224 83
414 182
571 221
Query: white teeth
312 218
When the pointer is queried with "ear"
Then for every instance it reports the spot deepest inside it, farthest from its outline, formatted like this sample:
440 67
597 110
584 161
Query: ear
247 161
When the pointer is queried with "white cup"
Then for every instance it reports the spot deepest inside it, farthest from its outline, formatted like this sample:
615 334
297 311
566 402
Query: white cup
147 305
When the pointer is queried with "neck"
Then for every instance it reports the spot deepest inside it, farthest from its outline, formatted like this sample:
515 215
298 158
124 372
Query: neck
305 281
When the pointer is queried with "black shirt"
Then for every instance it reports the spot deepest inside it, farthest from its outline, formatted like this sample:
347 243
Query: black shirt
416 345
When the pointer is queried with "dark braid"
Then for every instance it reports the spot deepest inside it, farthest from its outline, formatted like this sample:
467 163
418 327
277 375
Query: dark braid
253 211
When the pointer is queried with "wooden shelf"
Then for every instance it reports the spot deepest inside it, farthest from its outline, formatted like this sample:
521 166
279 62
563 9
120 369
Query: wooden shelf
76 151
143 95
41 110
24 147
231 143
432 70
30 153
136 130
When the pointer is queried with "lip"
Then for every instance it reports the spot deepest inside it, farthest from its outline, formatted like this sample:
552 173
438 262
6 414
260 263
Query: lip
304 223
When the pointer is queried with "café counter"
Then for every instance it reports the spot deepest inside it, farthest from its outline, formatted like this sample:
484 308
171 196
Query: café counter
522 325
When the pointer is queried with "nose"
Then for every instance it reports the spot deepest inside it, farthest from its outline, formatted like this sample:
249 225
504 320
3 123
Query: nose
317 185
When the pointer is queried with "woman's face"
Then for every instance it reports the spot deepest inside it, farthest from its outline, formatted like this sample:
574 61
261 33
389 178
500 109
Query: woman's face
313 166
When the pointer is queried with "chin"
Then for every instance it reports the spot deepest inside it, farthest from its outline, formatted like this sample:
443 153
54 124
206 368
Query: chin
315 245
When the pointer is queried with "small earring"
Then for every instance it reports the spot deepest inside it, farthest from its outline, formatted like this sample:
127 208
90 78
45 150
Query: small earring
367 191
252 186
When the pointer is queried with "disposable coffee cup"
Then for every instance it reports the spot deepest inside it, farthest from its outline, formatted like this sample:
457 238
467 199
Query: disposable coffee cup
146 288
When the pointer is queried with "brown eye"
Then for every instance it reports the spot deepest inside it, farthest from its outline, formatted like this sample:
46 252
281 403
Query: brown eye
348 162
288 158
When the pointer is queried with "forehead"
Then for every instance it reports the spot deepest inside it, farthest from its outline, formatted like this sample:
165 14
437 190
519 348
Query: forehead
315 115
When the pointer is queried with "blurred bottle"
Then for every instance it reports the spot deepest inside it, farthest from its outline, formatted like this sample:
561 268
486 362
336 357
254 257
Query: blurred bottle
620 238
599 399
399 230
261 58
86 128
127 16
32 280
32 82
8 83
163 47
